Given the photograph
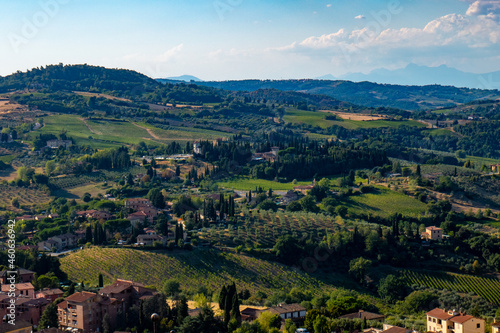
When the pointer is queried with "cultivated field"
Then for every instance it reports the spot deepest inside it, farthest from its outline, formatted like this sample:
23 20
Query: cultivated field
209 268
385 202
487 288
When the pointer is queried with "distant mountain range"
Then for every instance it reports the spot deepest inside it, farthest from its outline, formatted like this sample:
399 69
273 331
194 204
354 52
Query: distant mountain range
422 75
186 78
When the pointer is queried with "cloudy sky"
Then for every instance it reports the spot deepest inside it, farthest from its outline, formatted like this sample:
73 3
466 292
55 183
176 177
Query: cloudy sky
237 39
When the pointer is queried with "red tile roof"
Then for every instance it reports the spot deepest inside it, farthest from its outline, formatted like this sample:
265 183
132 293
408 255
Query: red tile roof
439 314
81 296
461 318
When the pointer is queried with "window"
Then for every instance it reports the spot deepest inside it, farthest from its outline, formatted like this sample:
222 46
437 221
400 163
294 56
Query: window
478 325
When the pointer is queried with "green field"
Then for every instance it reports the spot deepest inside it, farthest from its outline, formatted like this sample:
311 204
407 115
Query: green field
308 117
105 134
318 119
355 124
193 269
385 202
247 184
487 288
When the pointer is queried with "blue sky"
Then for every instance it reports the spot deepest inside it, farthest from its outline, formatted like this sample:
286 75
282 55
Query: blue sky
237 39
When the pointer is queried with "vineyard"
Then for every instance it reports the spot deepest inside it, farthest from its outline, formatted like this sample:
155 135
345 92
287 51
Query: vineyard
75 181
209 268
26 196
487 288
263 228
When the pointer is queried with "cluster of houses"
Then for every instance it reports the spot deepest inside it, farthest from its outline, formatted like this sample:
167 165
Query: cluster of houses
29 304
84 312
81 312
142 212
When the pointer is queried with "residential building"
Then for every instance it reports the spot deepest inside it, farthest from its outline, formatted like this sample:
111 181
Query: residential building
149 240
439 320
26 308
433 233
59 243
250 314
137 203
83 312
127 292
25 275
49 294
361 314
289 311
21 289
290 196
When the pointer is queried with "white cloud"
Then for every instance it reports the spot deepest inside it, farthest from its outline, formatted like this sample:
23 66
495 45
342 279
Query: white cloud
460 38
169 54
484 7
329 5
360 17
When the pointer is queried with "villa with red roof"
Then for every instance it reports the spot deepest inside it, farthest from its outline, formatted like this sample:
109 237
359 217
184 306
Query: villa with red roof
441 321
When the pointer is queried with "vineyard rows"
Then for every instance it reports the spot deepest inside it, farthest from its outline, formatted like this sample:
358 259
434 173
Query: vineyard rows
487 288
209 268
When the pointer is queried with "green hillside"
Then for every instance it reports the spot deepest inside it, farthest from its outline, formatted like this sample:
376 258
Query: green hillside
209 268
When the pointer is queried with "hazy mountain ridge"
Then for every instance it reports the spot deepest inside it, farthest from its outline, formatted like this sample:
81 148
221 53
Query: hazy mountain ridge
414 74
368 94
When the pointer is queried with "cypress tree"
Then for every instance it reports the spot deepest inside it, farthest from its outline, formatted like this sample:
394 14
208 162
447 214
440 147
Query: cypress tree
235 309
222 298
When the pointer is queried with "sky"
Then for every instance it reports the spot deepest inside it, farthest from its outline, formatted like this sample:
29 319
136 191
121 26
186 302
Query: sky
245 39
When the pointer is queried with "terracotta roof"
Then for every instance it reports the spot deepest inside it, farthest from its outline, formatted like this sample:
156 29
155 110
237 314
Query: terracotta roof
252 312
286 308
81 296
395 329
461 318
19 286
54 291
433 228
361 314
63 305
496 324
115 288
439 314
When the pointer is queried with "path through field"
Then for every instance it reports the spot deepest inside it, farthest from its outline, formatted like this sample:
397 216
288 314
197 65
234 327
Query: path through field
90 128
150 132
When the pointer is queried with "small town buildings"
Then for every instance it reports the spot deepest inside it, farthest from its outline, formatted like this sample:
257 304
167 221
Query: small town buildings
137 203
49 294
433 233
20 289
443 321
26 308
58 243
25 275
